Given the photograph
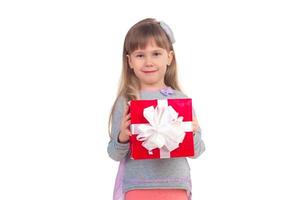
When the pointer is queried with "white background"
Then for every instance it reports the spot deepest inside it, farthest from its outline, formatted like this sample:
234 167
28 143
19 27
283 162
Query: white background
60 65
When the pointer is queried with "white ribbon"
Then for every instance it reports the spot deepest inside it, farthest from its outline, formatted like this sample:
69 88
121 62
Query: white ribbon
166 130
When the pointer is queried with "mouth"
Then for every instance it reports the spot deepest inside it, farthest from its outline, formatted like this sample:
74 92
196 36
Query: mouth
149 71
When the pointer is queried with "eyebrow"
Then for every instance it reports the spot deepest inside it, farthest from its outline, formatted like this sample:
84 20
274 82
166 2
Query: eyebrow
141 51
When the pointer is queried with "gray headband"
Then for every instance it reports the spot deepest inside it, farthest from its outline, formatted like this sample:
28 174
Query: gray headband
168 31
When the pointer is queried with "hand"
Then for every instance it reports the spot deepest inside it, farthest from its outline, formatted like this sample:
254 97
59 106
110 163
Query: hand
124 130
195 125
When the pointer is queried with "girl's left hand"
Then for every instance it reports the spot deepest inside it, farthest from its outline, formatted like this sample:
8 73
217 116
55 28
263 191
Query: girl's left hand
195 125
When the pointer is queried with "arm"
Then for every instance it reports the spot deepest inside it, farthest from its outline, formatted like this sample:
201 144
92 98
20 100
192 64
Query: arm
199 145
118 149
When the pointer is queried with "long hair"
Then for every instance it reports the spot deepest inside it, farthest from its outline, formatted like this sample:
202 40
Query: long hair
138 37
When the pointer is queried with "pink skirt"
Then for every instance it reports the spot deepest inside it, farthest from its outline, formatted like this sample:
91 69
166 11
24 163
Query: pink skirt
156 194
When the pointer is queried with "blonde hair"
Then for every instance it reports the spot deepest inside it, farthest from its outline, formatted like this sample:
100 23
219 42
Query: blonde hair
137 37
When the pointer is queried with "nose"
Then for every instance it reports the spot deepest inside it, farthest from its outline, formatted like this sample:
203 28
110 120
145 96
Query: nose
148 61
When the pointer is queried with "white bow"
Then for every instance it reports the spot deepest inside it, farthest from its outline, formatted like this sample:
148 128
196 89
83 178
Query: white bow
165 128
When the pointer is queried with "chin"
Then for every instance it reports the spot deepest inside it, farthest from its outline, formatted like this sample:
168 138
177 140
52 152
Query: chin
151 82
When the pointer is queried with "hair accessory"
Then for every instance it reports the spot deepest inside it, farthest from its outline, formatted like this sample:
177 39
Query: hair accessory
168 31
167 91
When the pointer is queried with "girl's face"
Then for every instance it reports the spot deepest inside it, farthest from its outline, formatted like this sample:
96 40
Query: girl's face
150 65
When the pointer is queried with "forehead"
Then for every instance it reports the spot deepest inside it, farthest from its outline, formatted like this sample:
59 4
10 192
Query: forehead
143 41
149 46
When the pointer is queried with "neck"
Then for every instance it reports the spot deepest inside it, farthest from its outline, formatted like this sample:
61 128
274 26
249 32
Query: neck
153 87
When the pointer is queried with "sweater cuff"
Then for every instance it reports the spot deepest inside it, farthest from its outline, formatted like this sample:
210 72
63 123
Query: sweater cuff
121 146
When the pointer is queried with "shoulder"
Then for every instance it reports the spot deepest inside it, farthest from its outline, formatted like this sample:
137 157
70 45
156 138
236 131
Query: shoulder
179 94
121 101
120 104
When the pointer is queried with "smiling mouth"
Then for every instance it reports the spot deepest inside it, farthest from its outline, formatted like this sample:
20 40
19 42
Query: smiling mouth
148 72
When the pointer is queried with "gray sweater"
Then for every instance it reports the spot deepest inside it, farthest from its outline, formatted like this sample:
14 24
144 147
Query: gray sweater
171 173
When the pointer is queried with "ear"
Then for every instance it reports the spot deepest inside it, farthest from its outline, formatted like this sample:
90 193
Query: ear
170 57
129 61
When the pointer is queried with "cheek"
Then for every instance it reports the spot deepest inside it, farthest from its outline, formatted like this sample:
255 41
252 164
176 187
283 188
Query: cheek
137 63
165 61
165 69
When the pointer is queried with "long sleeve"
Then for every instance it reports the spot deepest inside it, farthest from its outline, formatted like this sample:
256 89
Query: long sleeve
116 150
199 145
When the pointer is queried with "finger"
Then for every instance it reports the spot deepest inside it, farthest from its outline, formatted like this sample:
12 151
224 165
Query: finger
196 129
125 111
127 123
129 133
128 117
195 118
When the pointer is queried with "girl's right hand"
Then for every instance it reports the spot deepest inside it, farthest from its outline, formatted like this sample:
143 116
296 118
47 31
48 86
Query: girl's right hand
125 123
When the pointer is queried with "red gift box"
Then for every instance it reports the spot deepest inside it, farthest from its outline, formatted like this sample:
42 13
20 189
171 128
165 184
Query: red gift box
180 107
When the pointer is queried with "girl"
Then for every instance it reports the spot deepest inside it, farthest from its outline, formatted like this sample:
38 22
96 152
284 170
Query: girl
149 72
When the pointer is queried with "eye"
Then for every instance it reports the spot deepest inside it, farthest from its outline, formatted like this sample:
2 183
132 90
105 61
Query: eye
139 55
157 54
